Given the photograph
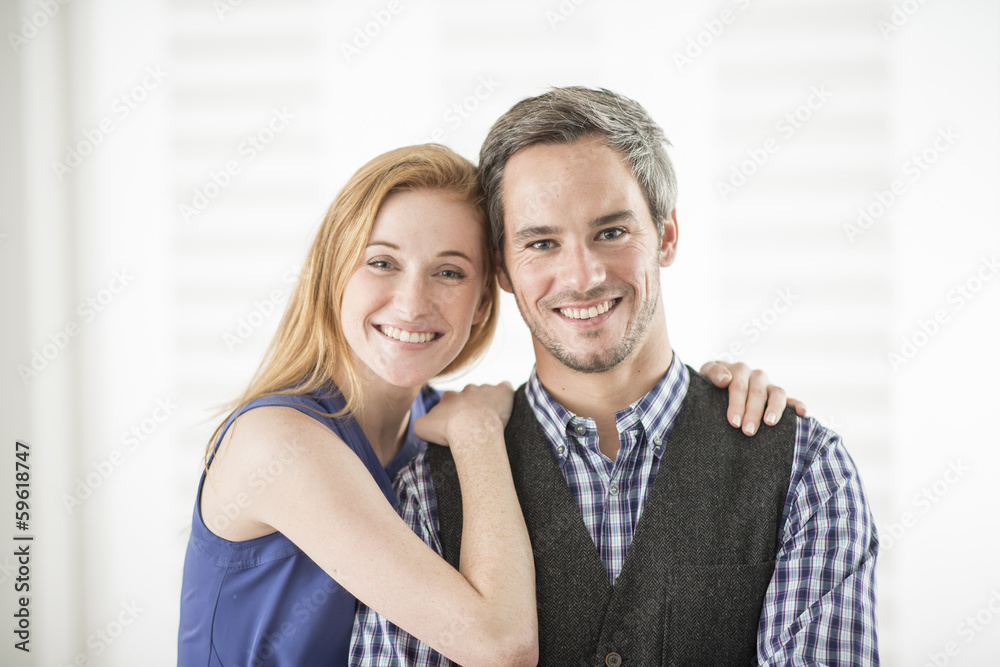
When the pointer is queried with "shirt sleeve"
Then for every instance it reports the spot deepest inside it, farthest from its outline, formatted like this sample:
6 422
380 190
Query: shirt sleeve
819 608
374 640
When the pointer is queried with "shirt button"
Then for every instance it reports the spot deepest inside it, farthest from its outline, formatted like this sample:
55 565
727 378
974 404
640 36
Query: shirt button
561 449
580 429
657 441
613 489
613 660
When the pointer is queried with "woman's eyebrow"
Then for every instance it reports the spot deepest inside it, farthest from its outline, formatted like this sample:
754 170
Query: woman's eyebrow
454 253
443 253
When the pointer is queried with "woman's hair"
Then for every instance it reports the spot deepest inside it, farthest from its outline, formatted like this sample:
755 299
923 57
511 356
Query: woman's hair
309 345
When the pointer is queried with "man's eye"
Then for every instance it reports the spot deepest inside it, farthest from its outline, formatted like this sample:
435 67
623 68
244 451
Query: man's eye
541 245
609 234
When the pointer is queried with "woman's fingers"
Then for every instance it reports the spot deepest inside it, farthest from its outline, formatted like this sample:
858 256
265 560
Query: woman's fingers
776 399
800 407
753 412
717 372
739 388
752 401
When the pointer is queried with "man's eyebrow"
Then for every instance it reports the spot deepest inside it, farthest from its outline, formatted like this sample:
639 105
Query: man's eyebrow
443 253
523 235
611 218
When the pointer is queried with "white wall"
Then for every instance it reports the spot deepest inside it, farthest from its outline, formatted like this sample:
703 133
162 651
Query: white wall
199 79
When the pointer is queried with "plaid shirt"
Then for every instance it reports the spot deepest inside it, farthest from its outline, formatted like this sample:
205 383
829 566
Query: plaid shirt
820 604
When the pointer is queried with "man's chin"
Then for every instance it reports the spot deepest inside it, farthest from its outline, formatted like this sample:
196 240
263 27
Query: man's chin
591 363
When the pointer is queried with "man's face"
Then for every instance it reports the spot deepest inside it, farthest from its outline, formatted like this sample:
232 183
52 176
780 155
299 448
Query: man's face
582 254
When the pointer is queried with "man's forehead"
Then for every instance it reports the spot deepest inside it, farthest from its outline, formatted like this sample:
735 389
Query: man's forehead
583 153
547 178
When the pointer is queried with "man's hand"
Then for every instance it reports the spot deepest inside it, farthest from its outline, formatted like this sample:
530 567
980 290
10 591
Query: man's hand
748 393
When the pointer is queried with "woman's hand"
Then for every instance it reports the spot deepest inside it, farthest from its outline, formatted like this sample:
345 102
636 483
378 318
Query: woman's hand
748 393
461 416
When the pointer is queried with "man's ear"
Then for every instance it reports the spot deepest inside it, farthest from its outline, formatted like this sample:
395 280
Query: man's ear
668 241
501 272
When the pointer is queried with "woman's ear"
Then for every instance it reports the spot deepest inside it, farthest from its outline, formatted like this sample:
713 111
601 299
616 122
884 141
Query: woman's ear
485 306
668 241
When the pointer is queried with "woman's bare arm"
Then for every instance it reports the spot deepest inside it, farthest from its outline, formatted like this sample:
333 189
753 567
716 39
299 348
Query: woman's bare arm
319 494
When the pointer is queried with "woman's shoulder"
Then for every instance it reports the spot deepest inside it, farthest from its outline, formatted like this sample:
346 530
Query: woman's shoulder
327 400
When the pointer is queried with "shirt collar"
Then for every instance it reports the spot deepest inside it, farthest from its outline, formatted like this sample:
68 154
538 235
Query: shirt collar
655 413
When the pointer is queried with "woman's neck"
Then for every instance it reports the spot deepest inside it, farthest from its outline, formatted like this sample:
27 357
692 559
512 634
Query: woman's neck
384 416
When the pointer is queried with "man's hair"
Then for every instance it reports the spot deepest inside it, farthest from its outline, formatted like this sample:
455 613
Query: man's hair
564 115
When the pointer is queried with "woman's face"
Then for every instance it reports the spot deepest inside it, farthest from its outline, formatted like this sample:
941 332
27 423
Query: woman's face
408 307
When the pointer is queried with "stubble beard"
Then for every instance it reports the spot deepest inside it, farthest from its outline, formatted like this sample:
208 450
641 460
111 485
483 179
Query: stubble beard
597 362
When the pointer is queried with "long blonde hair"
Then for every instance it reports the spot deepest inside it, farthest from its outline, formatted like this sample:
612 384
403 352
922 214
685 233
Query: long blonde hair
309 343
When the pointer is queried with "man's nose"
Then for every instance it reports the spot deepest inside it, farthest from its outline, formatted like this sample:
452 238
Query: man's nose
582 268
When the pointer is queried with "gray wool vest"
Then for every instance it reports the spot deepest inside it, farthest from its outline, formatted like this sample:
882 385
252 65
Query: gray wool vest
693 583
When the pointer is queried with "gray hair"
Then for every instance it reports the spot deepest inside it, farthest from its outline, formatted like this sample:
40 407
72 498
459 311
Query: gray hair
562 116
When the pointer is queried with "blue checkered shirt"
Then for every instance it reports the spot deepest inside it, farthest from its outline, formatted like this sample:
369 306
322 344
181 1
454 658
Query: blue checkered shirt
820 605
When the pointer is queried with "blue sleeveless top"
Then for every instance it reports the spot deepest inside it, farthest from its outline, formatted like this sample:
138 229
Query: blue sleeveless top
263 601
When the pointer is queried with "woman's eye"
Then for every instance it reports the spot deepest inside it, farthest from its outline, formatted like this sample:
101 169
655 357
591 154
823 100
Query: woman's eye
379 264
452 273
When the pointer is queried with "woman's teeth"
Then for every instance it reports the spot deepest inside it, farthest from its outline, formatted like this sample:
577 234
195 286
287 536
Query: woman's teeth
587 313
407 336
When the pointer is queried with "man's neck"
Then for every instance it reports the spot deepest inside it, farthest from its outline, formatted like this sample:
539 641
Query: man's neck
600 395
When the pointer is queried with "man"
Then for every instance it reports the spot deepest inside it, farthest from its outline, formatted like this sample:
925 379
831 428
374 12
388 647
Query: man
711 547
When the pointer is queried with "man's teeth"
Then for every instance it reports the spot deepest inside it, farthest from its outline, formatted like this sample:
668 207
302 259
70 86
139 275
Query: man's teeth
407 336
587 313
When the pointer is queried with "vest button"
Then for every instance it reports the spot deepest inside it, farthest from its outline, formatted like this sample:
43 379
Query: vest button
613 660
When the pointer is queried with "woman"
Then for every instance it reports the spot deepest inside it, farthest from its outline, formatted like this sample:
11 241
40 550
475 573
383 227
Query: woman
297 518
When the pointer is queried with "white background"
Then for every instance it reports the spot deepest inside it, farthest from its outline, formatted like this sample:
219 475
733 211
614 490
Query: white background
188 323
